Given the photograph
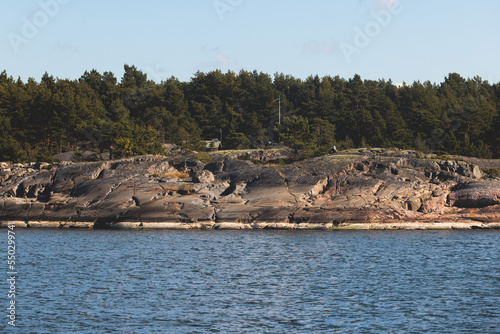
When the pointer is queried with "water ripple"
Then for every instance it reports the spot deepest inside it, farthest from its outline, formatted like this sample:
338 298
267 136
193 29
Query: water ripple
258 282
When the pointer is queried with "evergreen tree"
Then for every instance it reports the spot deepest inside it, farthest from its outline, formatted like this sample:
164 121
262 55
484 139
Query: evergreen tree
136 115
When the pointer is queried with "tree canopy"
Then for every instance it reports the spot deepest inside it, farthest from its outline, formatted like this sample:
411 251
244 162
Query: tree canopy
135 115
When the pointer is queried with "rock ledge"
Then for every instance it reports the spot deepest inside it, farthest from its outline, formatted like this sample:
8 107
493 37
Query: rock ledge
359 189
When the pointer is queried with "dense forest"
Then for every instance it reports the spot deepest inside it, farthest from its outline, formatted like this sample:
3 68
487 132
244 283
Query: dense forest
136 115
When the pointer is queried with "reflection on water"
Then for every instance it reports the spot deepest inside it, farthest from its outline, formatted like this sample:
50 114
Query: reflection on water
258 281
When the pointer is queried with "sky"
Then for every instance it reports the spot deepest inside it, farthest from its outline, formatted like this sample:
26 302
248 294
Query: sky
400 40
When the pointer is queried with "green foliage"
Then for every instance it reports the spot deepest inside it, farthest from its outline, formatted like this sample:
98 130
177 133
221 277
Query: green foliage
297 135
492 172
11 150
308 138
123 147
236 140
136 116
43 154
204 157
346 144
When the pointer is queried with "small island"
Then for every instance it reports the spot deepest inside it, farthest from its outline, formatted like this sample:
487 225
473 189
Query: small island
248 150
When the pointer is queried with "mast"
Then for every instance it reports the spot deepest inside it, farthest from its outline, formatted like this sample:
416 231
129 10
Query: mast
279 110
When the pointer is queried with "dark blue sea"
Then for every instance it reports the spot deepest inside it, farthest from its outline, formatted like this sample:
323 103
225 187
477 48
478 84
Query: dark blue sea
79 281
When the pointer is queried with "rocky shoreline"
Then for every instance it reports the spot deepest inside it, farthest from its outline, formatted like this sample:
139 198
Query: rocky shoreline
463 225
356 189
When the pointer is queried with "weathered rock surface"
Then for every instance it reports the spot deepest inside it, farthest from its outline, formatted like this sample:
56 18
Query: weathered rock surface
476 194
357 189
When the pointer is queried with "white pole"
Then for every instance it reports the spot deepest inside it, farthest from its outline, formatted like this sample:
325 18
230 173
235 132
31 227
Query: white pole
279 117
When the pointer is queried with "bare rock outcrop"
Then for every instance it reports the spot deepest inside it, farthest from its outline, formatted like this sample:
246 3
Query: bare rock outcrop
355 189
203 176
476 194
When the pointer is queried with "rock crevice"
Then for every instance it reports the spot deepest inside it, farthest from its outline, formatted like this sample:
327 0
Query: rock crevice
329 192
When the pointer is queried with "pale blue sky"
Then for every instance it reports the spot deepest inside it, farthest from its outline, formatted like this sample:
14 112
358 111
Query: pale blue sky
420 39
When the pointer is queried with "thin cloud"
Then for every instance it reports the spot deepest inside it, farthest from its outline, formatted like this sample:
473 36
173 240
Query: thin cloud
219 61
222 59
157 74
66 47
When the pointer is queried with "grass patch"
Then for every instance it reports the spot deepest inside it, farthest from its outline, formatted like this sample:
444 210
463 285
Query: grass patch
204 157
176 174
492 172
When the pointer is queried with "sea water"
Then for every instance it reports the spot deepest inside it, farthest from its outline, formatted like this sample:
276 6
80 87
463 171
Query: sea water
97 281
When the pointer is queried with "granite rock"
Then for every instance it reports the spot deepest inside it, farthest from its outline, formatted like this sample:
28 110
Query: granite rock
329 192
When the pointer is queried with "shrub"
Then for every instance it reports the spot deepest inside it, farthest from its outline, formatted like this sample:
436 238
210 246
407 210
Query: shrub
204 157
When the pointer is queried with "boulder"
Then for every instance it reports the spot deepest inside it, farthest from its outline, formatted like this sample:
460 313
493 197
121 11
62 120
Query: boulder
203 176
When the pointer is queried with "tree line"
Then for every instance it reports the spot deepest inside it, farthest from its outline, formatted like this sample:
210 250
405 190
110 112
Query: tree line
135 115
